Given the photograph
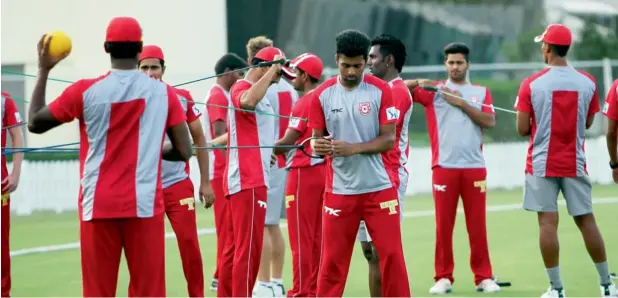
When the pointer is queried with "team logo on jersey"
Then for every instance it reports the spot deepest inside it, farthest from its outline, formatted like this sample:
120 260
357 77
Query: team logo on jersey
196 110
294 122
392 113
606 107
364 108
474 99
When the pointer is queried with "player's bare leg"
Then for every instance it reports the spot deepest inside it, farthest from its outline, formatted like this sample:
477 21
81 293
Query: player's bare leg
596 249
262 287
550 247
277 254
375 278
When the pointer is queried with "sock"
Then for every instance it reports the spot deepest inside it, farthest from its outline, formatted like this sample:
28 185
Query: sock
262 284
276 281
554 277
603 269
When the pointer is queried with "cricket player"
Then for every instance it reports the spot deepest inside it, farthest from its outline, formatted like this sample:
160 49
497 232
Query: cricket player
123 116
304 193
246 176
178 190
358 113
215 122
555 107
458 167
11 121
386 59
282 97
610 110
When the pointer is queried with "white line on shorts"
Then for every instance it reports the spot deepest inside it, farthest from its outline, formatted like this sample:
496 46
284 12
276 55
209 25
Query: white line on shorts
210 231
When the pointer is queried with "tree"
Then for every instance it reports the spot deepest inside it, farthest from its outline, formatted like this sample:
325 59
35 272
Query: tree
593 45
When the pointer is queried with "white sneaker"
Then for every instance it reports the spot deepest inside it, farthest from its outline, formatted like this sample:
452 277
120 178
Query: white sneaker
278 289
263 290
442 286
553 293
214 284
609 290
488 286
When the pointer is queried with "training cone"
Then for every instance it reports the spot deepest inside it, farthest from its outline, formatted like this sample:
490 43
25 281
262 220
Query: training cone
60 43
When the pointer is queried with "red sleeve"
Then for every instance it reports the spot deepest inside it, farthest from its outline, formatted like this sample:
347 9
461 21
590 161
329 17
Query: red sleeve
69 105
175 112
316 113
215 104
610 109
403 101
594 103
193 113
422 96
388 111
11 114
300 110
523 102
488 106
237 91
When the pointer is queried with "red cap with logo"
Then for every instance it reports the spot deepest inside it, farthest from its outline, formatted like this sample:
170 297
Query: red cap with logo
556 34
123 29
151 51
307 62
268 54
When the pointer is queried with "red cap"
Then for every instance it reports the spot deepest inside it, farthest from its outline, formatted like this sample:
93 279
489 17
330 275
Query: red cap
123 29
307 62
555 34
268 54
151 51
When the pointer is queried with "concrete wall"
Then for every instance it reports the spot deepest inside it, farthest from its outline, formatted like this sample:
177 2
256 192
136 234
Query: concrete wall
192 34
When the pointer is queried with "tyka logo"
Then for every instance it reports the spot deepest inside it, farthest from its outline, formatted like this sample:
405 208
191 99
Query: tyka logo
339 110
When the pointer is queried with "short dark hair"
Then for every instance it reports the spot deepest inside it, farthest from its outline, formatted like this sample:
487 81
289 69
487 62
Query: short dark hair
311 79
391 45
123 50
457 48
229 61
353 43
560 51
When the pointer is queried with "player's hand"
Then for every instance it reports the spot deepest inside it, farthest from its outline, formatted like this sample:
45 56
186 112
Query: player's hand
341 148
453 100
322 146
46 61
275 69
207 196
614 174
10 183
273 159
426 82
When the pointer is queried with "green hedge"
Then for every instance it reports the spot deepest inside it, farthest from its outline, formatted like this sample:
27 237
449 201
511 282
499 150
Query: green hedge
34 156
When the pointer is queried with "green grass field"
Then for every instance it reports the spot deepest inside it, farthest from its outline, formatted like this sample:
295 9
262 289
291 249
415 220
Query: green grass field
512 236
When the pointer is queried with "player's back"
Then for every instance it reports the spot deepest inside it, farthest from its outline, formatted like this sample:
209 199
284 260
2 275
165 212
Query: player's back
560 98
282 97
123 124
352 116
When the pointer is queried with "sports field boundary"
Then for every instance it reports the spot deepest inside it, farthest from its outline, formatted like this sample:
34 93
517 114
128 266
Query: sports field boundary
210 231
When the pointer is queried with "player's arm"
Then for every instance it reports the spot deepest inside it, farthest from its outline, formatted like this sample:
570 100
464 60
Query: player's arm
11 117
386 138
484 117
199 140
65 108
296 127
220 140
179 147
252 97
610 109
218 117
321 144
593 108
523 105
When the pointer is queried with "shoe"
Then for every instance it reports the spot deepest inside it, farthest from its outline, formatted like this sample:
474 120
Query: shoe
488 286
278 289
553 293
609 290
441 287
214 284
263 290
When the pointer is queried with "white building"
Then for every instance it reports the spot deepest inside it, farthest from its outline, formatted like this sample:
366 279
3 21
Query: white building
192 34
